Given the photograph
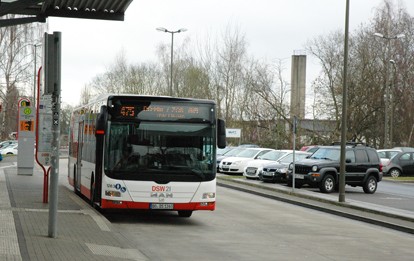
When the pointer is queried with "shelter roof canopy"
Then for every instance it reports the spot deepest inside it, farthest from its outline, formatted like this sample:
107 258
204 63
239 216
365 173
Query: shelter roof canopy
87 9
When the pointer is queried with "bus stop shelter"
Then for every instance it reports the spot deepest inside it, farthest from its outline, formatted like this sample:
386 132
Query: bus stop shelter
19 12
39 10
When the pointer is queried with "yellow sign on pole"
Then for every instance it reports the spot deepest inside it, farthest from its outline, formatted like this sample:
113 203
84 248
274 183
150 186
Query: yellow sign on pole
27 125
27 122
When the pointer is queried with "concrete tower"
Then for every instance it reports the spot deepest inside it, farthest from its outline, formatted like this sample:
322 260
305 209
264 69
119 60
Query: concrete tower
298 86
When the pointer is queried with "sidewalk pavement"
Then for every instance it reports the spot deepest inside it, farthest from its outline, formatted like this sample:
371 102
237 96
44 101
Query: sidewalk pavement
84 234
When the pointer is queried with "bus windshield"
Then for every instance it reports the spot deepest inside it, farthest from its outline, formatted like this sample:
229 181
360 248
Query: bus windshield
159 151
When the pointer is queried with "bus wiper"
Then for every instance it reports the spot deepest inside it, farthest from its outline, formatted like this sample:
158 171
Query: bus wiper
198 173
186 170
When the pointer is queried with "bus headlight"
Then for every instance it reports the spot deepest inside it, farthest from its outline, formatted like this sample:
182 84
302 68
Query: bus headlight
209 195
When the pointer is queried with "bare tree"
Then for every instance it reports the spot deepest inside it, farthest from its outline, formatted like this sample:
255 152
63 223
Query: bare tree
369 68
228 73
16 69
121 77
268 91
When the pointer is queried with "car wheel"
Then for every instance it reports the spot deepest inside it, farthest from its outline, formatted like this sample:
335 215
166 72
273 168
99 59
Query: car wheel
370 185
395 173
327 184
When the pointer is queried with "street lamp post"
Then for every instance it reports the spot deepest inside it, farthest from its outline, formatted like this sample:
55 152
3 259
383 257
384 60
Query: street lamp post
162 29
342 172
35 74
387 87
392 85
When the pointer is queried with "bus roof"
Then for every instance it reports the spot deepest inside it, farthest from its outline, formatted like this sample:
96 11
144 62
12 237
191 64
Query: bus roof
109 96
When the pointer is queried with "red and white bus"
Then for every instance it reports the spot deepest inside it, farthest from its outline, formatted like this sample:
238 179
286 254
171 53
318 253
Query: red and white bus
146 152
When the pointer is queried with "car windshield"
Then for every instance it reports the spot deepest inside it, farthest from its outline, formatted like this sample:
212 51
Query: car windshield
8 144
234 152
272 155
288 158
248 153
223 151
327 154
388 154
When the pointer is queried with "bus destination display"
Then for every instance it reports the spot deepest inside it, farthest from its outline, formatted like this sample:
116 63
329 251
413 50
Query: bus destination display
165 112
127 111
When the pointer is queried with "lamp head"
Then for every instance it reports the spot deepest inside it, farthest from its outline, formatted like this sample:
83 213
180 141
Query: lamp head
161 29
400 36
379 35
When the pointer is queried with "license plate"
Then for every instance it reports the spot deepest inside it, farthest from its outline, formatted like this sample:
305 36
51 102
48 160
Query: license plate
299 176
161 206
268 174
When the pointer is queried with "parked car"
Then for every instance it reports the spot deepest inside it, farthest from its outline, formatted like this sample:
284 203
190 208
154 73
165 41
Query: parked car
404 148
362 168
401 164
6 143
386 155
310 148
254 167
277 171
9 150
249 146
236 164
230 153
222 151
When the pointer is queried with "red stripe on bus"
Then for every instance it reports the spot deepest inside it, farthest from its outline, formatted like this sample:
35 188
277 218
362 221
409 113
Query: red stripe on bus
145 205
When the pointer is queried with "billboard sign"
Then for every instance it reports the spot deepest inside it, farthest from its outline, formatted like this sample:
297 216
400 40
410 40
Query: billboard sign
233 133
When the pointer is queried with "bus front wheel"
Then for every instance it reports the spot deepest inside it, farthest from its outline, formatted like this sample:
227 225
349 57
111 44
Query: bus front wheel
185 213
92 191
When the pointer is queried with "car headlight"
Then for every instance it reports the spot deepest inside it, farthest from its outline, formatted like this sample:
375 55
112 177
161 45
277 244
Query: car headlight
291 166
314 168
236 162
283 170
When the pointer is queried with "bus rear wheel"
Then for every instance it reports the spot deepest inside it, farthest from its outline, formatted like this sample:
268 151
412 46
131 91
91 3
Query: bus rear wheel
185 213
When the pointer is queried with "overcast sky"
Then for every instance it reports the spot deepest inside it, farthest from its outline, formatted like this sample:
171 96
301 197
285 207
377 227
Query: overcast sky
274 29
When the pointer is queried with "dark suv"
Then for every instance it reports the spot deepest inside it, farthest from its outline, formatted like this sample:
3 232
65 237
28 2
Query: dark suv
321 169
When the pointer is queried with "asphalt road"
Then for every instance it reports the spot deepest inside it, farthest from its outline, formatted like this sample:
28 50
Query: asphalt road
250 227
389 193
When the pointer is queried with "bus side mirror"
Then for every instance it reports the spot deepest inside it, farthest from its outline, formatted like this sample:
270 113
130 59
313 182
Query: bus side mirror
221 133
101 120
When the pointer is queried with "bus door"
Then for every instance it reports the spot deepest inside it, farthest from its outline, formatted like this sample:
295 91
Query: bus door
78 175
